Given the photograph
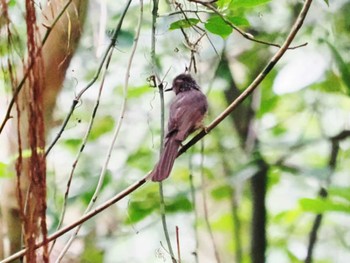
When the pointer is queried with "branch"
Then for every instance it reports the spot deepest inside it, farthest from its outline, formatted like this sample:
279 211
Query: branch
240 31
97 74
273 61
297 25
83 219
323 193
161 98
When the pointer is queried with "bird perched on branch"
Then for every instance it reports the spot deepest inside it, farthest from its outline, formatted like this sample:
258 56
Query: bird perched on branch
187 111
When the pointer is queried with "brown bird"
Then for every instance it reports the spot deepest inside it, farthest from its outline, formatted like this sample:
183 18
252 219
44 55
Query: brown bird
187 111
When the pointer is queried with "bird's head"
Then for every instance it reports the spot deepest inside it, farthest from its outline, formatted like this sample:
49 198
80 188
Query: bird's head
183 82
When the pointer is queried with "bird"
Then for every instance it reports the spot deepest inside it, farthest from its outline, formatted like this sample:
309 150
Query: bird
186 114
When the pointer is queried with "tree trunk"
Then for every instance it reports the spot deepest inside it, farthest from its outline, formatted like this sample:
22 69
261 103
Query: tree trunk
56 56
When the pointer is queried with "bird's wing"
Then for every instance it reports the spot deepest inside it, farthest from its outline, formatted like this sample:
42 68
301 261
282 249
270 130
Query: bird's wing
186 113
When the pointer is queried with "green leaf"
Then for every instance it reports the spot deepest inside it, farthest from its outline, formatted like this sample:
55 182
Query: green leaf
223 3
143 204
140 159
139 209
217 26
223 223
327 2
12 3
238 20
247 3
101 127
4 171
137 92
184 23
341 65
221 192
179 203
323 205
72 144
343 192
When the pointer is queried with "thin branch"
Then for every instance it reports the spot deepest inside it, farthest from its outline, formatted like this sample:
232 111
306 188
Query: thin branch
323 193
297 25
240 31
185 11
82 147
115 135
97 74
83 219
178 244
161 98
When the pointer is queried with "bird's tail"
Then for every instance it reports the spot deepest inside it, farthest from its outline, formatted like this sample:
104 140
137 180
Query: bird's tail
166 160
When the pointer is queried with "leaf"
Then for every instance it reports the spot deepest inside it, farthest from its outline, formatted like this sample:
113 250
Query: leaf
327 2
223 223
179 203
238 20
12 3
140 159
247 3
217 26
184 23
139 209
101 127
223 3
343 192
4 171
143 204
137 92
221 192
341 65
323 205
72 144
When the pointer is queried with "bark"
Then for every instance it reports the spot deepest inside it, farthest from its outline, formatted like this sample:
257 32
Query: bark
56 56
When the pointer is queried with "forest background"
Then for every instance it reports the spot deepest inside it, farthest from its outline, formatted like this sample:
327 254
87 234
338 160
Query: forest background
82 115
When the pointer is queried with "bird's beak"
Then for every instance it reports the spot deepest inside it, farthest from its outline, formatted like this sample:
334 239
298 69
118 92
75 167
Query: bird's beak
169 89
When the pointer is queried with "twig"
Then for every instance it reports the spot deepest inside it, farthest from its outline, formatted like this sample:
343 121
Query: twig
82 147
205 207
26 74
184 11
97 74
240 31
161 98
297 25
115 135
178 244
323 193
